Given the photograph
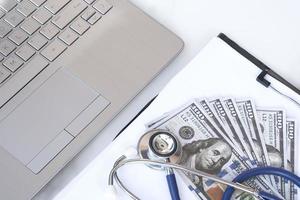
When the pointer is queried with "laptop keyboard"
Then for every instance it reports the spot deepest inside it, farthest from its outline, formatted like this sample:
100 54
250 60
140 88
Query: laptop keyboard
35 32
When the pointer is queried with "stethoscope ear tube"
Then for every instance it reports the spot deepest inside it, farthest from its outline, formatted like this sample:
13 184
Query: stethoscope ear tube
261 171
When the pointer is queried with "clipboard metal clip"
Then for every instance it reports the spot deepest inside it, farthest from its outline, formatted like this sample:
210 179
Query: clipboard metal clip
261 78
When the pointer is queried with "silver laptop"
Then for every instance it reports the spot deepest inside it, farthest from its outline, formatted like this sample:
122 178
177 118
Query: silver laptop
67 68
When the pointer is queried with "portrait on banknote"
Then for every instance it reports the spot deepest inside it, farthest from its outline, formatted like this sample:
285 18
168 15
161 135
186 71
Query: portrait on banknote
208 155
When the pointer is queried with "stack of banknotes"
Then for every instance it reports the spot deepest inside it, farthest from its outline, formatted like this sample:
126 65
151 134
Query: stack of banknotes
225 136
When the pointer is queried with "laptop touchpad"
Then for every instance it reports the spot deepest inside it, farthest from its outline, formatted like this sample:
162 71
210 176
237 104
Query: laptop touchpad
39 122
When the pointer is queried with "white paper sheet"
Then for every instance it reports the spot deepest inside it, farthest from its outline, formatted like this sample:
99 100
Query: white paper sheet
218 70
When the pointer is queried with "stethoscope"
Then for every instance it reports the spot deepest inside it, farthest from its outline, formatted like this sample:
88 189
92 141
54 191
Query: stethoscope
160 149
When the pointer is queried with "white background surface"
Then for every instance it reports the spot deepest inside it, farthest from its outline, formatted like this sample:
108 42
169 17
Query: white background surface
267 28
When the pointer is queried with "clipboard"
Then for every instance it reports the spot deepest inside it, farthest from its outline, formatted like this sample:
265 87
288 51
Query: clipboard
218 70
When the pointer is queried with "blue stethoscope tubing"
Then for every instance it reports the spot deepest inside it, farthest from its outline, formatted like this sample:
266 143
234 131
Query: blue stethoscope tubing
246 175
173 188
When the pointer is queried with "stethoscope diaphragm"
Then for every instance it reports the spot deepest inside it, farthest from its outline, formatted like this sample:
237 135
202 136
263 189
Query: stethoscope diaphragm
159 145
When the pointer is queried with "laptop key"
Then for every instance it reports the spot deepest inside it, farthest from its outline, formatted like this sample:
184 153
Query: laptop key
88 13
38 2
5 28
26 8
14 18
6 47
70 12
25 52
18 36
94 18
42 15
7 5
53 50
102 6
80 26
49 31
13 63
37 41
4 74
30 26
55 5
68 36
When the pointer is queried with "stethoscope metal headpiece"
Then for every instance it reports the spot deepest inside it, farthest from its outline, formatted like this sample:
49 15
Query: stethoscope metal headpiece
163 144
159 145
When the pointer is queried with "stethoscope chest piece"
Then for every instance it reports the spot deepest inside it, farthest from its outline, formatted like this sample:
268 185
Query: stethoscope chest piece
159 145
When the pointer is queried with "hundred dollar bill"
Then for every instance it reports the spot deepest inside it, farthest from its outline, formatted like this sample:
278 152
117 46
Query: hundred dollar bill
161 117
212 115
248 114
289 158
223 115
207 149
231 106
273 127
157 120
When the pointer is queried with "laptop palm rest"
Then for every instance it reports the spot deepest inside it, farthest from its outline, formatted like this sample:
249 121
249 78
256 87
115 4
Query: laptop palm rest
35 132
